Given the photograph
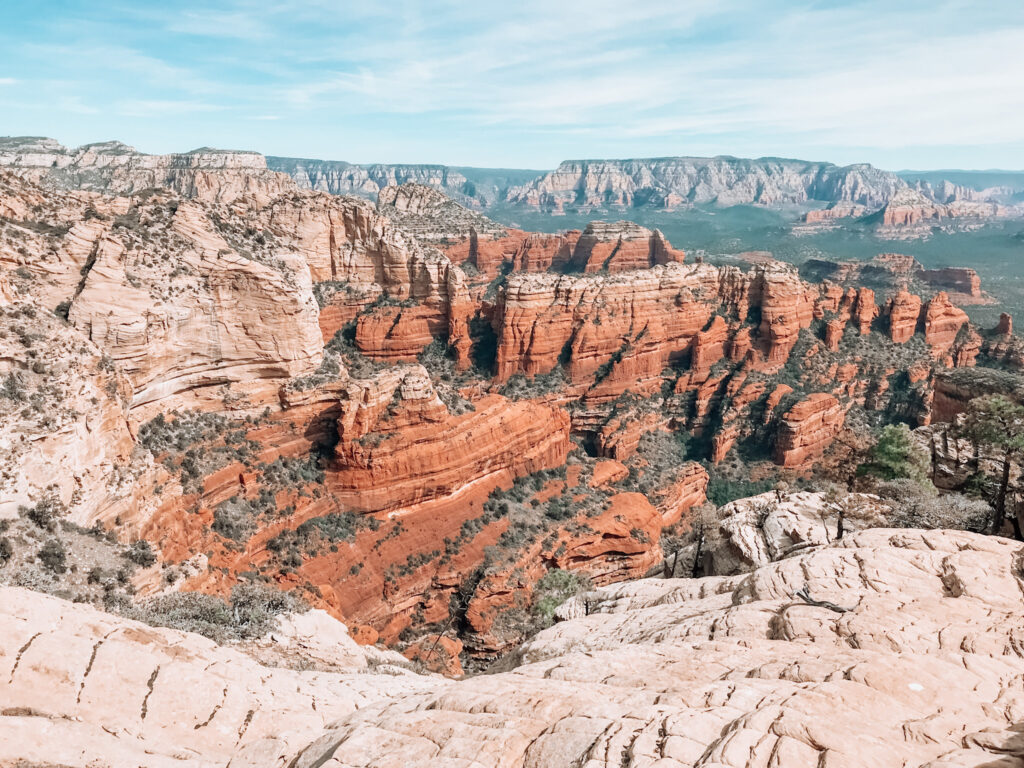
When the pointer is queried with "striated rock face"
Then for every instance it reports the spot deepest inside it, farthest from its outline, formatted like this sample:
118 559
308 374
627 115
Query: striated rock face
63 417
957 279
807 429
909 208
865 310
834 212
231 319
641 320
668 182
399 445
211 175
433 217
942 324
733 669
904 310
341 178
620 247
751 533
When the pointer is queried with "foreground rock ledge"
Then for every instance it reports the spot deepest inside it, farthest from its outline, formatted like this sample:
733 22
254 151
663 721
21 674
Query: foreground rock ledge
923 669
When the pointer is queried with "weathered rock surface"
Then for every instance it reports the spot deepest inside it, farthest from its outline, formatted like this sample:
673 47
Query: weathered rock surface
750 533
63 417
904 310
882 647
85 688
942 325
808 428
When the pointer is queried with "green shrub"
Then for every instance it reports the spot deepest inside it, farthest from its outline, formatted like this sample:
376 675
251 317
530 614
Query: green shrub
53 556
141 553
45 512
553 589
250 613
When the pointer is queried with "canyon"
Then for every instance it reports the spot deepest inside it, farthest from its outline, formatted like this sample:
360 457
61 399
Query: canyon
474 448
400 410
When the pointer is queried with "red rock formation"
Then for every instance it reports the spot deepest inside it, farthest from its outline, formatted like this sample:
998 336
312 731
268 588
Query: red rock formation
709 347
608 472
622 544
687 491
865 310
833 212
904 311
807 429
619 437
487 252
942 323
539 252
399 334
834 334
399 445
342 306
438 653
787 305
620 247
956 279
740 394
1005 325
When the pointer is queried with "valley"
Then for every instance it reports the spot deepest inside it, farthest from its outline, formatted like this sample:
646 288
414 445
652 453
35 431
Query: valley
466 437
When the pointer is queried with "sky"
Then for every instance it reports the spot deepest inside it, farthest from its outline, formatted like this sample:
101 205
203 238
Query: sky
525 83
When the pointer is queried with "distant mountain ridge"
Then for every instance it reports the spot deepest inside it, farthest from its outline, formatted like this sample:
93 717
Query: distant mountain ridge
675 181
576 185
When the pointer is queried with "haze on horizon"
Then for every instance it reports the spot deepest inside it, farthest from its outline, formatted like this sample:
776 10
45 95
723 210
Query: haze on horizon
908 85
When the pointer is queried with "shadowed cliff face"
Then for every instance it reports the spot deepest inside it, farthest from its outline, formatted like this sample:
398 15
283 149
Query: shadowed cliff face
404 411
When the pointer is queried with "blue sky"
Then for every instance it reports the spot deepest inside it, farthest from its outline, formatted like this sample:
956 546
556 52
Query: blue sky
900 83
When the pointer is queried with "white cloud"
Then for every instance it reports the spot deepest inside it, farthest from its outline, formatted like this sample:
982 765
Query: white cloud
162 107
7 81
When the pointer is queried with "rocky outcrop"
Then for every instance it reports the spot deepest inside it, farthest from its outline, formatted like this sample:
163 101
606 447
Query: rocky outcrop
399 445
432 216
910 208
834 212
904 310
962 280
882 646
620 247
865 310
226 320
64 432
85 688
636 323
340 178
942 324
210 175
807 429
751 533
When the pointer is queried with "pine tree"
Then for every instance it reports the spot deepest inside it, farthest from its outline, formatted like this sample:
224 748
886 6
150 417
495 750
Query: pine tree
996 423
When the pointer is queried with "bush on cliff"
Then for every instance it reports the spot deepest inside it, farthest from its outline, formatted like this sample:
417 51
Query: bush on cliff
916 505
895 455
554 588
250 613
